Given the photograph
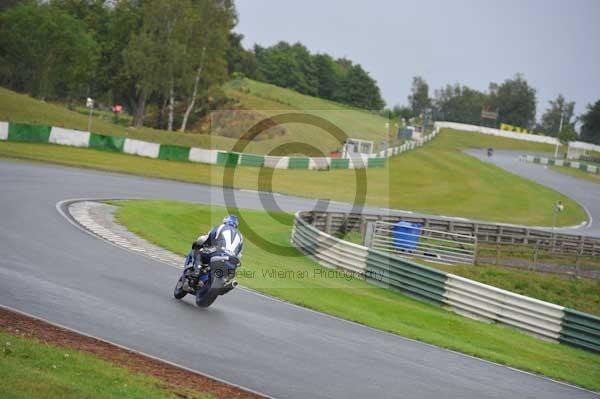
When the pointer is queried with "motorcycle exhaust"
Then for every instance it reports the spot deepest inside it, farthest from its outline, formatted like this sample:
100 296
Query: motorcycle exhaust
230 285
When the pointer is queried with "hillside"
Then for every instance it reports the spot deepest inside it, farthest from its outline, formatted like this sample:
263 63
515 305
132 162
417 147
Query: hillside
258 99
271 100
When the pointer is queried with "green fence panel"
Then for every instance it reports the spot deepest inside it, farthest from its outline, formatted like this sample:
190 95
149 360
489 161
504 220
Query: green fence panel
169 152
551 162
109 143
581 330
567 163
252 160
339 163
406 276
536 160
298 163
228 159
376 162
583 167
28 133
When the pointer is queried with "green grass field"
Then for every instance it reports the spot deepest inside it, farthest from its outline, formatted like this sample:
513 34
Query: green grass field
22 108
270 100
266 99
34 369
594 178
438 178
173 225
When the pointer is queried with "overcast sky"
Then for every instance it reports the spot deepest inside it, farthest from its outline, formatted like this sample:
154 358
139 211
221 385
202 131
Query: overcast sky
555 44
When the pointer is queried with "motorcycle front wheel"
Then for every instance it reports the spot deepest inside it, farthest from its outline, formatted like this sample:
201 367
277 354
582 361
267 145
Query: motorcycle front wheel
178 292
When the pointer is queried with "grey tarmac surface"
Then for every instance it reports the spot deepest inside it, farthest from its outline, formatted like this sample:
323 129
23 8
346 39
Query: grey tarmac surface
53 270
585 192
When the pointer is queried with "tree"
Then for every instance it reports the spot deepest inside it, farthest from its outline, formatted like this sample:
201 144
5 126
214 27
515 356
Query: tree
515 101
358 89
124 21
241 60
460 104
294 67
44 50
402 112
95 14
148 57
566 135
327 76
289 66
558 110
207 45
590 124
419 97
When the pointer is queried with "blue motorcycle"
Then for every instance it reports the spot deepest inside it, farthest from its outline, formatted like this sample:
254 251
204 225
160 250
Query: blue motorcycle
207 281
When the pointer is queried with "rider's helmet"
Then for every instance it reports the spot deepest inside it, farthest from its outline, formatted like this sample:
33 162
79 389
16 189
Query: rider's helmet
231 220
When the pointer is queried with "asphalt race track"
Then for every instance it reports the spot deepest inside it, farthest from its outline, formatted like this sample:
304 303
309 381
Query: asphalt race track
584 192
53 270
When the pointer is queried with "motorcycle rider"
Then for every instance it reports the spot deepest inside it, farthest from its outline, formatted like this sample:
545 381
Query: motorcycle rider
224 239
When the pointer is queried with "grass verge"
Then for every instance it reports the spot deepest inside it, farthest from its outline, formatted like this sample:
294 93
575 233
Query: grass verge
438 179
595 178
277 270
33 369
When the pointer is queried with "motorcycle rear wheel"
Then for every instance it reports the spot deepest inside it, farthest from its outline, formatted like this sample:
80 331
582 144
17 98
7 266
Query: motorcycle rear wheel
206 296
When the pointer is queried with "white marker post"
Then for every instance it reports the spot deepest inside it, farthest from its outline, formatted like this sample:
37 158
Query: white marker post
90 104
558 208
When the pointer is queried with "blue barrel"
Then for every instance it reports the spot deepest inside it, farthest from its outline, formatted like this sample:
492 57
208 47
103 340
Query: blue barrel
405 235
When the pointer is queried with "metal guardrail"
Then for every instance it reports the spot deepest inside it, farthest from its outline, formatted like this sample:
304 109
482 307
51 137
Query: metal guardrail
329 251
432 245
334 222
484 302
402 275
581 329
466 297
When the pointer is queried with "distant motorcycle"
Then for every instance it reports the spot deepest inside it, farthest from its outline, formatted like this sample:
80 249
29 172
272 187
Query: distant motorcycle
207 282
490 152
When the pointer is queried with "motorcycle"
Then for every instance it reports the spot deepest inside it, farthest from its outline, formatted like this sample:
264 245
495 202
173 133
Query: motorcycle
207 282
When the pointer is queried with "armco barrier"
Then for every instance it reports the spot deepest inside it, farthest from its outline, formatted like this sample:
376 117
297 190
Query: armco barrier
463 296
561 162
141 148
339 163
484 302
21 132
402 275
28 133
110 143
69 137
173 153
3 130
252 160
581 329
497 132
203 155
298 163
228 159
327 250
